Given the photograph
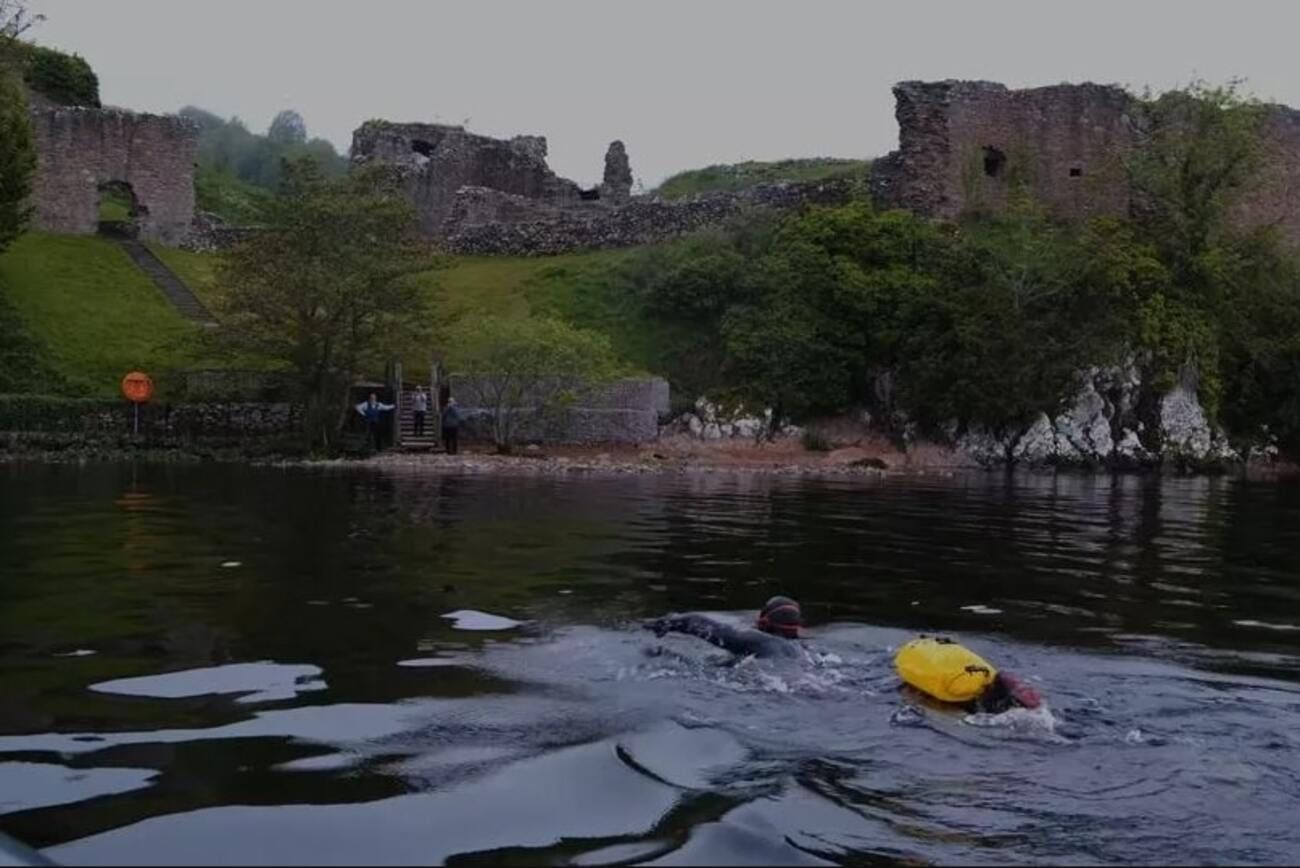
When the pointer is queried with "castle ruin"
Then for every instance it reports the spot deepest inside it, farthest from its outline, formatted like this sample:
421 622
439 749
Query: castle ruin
476 194
963 145
83 153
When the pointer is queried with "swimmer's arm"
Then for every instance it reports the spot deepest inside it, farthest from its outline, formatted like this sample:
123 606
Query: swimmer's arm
722 635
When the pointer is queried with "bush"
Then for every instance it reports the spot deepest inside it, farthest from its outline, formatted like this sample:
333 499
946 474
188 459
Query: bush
66 79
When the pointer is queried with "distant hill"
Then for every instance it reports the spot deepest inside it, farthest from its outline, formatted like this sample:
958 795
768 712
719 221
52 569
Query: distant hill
739 176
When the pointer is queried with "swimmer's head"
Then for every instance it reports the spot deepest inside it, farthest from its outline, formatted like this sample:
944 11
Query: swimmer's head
1024 695
781 616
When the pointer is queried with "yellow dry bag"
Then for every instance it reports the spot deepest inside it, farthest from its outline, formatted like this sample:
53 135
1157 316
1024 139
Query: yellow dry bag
943 669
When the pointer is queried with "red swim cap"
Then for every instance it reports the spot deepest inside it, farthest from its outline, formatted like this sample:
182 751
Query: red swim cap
782 616
1021 692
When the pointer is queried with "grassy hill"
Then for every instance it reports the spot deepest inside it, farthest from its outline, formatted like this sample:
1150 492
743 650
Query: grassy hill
740 176
92 312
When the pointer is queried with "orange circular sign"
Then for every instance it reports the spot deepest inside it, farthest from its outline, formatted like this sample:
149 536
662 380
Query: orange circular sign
137 387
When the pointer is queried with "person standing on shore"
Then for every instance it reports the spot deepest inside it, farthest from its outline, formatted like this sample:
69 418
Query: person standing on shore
451 419
420 406
373 410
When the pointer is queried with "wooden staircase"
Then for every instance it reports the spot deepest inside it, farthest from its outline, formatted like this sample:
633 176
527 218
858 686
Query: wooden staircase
406 424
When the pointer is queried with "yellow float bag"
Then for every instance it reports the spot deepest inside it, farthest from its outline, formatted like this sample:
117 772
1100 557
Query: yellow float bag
943 669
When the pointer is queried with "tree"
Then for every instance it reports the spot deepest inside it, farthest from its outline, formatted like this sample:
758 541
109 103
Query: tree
528 368
1197 150
17 160
15 20
325 290
288 128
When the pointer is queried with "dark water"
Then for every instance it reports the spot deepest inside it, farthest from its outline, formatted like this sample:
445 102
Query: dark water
272 678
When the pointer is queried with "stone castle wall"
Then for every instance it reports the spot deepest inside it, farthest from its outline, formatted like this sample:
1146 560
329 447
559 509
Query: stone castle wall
479 195
485 221
437 160
963 145
79 150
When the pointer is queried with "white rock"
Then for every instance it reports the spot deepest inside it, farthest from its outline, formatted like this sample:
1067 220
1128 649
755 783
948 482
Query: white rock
983 446
1130 446
1037 444
1086 425
1182 420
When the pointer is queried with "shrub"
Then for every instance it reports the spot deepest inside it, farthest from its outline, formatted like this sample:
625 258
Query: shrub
66 79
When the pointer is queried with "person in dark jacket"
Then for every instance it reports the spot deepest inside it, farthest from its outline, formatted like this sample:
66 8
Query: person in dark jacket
373 410
777 626
451 419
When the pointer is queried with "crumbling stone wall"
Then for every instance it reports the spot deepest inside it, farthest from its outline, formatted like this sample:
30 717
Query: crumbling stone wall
79 150
488 222
437 160
481 195
963 145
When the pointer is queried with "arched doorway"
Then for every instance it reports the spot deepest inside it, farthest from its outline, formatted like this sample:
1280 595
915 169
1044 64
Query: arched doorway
119 210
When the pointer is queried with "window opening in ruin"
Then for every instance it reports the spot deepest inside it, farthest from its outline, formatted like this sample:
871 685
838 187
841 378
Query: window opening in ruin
421 147
119 210
1076 172
994 161
589 195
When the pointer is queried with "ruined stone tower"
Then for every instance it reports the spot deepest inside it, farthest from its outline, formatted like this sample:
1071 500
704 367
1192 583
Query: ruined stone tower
617 185
964 145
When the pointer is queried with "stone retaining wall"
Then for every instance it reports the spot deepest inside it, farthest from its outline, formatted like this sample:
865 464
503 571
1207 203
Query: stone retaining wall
219 423
624 411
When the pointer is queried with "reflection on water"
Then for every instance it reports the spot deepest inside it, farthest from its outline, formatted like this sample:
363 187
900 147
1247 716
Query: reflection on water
254 665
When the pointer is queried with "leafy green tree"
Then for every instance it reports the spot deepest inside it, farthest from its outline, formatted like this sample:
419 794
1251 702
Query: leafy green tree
228 147
15 20
325 288
17 160
528 367
287 128
1197 150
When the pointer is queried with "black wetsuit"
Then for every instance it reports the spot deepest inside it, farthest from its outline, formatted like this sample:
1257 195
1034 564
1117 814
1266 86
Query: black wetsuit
741 641
994 700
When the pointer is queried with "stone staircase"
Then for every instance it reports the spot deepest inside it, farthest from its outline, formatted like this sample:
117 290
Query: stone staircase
171 285
406 421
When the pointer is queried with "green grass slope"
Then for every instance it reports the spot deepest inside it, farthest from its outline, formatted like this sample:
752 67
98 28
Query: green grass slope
235 201
94 313
740 176
98 316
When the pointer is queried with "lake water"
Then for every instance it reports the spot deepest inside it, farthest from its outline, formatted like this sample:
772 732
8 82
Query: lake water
241 665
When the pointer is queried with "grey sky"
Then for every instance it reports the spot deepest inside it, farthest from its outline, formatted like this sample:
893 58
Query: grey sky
684 83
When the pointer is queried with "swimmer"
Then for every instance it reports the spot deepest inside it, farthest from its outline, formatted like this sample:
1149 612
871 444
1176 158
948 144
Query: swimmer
1004 693
949 673
778 627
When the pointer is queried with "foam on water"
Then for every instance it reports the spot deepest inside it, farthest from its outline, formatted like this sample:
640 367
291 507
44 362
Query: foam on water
262 682
468 619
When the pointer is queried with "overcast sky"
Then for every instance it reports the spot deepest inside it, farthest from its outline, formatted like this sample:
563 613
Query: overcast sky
684 83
